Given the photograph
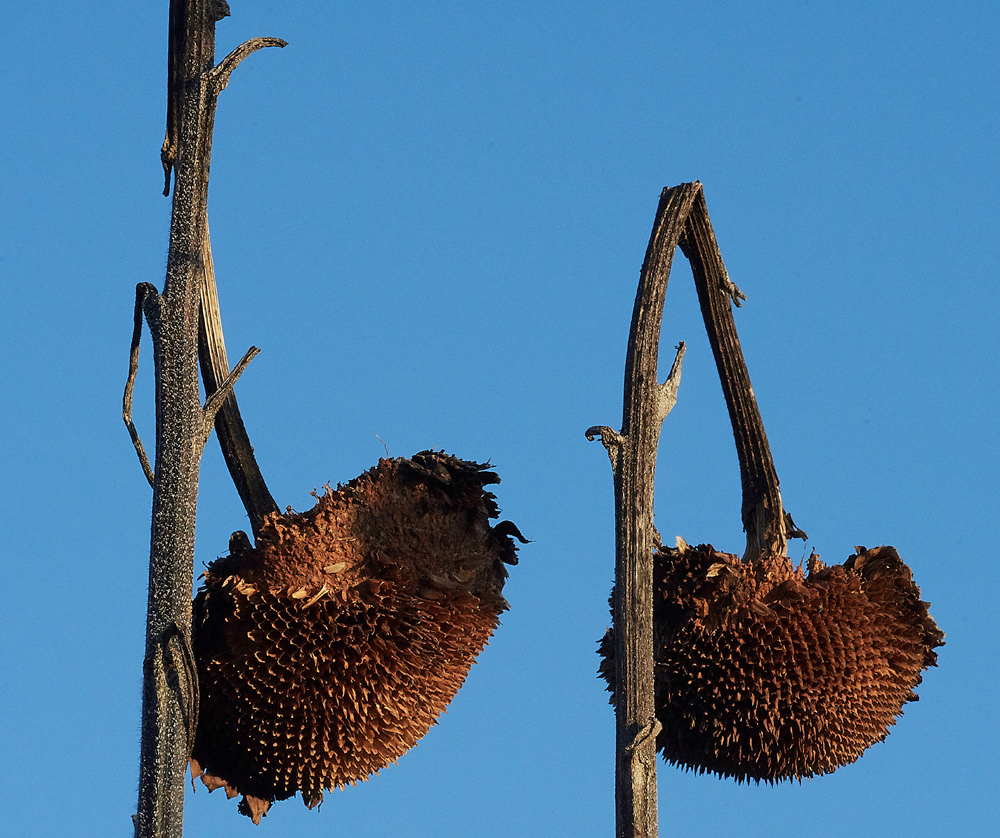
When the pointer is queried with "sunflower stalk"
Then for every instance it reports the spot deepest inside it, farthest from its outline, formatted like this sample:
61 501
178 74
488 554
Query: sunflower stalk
633 460
170 692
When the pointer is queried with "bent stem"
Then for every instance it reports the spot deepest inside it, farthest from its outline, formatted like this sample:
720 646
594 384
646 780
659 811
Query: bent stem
764 519
681 220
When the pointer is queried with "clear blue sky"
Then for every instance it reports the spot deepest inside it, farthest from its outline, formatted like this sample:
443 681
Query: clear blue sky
431 218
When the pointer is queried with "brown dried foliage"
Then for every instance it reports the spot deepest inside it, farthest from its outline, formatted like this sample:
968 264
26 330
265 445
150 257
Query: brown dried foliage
778 675
330 648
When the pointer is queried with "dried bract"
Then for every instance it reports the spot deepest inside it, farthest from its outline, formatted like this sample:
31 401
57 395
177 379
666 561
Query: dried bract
330 648
778 675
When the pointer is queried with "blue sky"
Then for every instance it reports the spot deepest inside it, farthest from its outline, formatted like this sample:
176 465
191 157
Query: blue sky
431 218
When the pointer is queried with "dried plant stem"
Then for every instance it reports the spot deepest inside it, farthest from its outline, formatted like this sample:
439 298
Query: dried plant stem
213 403
169 688
133 370
179 421
233 438
764 519
681 219
633 460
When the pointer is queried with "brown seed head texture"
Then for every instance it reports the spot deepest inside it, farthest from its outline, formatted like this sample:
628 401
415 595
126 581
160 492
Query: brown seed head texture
785 676
325 652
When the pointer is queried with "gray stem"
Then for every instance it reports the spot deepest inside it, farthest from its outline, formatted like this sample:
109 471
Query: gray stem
169 691
633 457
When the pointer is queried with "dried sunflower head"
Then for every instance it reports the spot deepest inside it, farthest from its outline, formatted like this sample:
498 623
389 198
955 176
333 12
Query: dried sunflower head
328 650
781 675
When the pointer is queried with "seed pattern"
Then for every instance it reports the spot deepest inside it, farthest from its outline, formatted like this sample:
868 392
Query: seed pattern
772 674
329 649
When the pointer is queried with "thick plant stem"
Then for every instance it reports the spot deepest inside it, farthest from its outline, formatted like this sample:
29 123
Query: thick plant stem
169 710
167 716
633 458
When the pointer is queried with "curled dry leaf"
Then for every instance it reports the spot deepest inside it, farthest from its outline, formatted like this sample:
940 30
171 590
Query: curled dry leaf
330 648
787 675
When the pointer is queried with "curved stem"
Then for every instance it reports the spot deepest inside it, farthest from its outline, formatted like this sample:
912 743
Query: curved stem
221 73
763 516
144 294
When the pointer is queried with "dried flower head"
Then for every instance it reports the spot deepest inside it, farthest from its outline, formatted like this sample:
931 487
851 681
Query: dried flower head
779 675
329 649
